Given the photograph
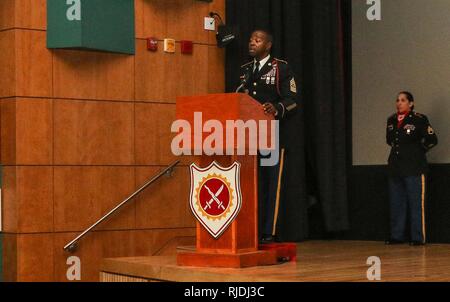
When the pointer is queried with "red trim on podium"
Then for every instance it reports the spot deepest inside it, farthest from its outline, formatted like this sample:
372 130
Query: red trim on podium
231 260
284 251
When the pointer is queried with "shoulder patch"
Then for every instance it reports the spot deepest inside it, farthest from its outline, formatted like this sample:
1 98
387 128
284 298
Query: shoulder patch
282 61
293 86
246 64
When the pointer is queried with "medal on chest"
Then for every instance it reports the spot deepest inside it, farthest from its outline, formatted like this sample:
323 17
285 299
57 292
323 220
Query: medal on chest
409 128
270 77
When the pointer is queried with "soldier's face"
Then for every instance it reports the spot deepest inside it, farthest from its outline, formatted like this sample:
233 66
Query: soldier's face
259 46
402 103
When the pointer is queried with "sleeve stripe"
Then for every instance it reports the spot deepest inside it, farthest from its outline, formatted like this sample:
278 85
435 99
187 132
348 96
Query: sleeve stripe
290 107
284 110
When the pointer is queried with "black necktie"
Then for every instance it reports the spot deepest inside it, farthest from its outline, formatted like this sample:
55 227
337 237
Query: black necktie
256 71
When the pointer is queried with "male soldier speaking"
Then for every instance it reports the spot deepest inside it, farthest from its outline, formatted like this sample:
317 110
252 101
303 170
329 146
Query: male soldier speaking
271 82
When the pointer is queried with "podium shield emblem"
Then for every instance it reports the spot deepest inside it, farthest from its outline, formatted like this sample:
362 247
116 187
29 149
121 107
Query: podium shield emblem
215 196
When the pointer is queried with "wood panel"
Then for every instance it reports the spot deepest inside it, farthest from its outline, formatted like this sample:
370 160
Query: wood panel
35 258
7 12
31 14
86 100
33 64
139 18
89 252
9 204
89 132
179 19
27 14
27 130
178 75
153 135
34 131
28 199
84 194
29 257
166 203
93 75
161 77
185 20
216 70
7 63
9 257
155 20
8 131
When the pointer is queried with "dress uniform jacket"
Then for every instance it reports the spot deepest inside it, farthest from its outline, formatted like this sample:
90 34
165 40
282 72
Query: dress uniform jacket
274 83
409 144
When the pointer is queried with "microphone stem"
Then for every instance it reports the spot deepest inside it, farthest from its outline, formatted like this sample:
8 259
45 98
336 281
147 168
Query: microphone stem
240 87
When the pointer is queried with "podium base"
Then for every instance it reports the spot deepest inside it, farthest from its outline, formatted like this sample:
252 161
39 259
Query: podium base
257 258
286 252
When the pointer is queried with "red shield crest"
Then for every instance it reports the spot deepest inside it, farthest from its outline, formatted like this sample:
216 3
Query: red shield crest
215 196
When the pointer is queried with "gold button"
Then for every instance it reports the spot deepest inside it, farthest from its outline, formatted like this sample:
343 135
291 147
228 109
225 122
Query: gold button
254 92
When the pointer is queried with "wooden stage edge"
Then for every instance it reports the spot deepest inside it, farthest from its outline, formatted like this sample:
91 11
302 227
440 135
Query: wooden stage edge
316 261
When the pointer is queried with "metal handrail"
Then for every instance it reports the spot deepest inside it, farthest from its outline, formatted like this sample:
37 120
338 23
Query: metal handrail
72 245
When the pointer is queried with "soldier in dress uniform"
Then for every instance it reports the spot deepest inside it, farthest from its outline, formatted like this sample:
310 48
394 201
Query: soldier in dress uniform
271 82
410 136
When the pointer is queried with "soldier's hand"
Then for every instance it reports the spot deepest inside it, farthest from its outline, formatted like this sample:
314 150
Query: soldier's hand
269 108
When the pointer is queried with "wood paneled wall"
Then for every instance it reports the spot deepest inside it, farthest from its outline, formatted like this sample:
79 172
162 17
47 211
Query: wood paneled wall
80 131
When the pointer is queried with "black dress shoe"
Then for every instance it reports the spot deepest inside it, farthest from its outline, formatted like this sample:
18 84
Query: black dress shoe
266 239
416 243
393 241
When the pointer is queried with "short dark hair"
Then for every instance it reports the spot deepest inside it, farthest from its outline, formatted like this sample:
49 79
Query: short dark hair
409 97
266 32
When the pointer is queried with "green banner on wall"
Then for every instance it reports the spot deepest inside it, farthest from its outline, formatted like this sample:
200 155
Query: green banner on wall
102 25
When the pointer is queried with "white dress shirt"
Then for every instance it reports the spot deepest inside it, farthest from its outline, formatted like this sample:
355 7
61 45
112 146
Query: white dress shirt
261 63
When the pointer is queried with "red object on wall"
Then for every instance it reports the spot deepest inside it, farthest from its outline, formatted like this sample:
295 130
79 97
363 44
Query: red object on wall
186 47
152 44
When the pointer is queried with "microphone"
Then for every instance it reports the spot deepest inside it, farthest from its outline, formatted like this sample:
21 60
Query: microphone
243 82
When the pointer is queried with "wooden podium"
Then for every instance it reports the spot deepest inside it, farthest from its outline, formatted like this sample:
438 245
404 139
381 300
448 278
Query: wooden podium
238 245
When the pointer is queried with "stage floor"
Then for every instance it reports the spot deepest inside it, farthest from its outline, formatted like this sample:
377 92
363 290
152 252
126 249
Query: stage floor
316 261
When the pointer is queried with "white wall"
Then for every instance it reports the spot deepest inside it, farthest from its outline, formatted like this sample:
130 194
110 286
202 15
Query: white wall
409 49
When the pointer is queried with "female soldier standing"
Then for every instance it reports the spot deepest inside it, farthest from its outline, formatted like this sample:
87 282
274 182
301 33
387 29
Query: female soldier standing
410 136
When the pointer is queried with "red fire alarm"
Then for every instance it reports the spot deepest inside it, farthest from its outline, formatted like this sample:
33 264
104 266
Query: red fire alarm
186 47
152 44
